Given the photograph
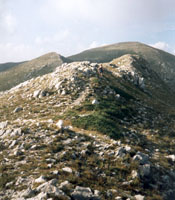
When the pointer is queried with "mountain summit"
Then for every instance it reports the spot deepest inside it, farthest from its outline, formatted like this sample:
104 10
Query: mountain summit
89 131
18 73
160 61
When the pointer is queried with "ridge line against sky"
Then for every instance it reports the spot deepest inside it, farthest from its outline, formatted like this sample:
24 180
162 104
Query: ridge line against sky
31 28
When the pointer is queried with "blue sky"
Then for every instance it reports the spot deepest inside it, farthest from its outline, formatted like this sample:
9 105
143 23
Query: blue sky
30 28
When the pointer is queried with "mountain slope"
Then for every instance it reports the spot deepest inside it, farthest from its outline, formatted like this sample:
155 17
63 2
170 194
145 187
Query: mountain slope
161 62
25 71
116 140
7 66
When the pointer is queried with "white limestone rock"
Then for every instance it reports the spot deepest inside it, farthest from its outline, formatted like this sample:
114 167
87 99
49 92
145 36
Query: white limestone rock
3 124
172 157
41 179
95 102
36 93
60 124
67 169
139 197
83 193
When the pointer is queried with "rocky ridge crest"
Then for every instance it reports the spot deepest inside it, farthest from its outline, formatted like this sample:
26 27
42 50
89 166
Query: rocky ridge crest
115 143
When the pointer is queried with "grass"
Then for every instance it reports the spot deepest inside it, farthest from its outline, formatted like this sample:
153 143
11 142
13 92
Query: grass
90 169
103 117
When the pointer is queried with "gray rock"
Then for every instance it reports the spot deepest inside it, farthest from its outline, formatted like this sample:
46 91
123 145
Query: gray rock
144 170
40 179
172 157
121 152
40 196
16 132
95 102
83 193
51 189
67 169
139 197
2 133
117 96
3 124
57 86
134 174
118 198
28 193
17 152
64 184
141 82
97 193
142 158
36 93
110 193
43 93
63 92
18 109
14 142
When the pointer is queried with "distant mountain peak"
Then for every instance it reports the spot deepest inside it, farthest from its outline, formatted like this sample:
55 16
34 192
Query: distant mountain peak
30 69
161 62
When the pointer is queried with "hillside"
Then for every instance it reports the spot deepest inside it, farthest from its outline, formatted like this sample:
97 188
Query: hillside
30 69
76 134
7 66
160 61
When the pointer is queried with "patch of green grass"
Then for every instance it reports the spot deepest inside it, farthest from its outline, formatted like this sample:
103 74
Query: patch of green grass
103 117
97 122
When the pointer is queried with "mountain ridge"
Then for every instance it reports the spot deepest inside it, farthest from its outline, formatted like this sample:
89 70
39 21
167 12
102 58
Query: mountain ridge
77 134
160 61
30 69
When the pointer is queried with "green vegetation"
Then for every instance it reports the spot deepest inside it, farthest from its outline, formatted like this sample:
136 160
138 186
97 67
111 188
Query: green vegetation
7 66
103 117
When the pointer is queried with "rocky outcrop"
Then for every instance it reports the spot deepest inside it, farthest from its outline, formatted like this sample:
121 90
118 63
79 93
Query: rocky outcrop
77 134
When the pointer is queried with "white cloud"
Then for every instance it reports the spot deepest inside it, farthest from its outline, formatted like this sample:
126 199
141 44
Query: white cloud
58 37
8 22
10 52
68 26
148 14
164 46
161 45
95 44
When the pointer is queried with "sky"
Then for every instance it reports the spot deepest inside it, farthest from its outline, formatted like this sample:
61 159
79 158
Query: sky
31 28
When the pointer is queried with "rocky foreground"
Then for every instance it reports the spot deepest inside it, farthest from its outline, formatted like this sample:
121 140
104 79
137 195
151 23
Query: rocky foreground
79 135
